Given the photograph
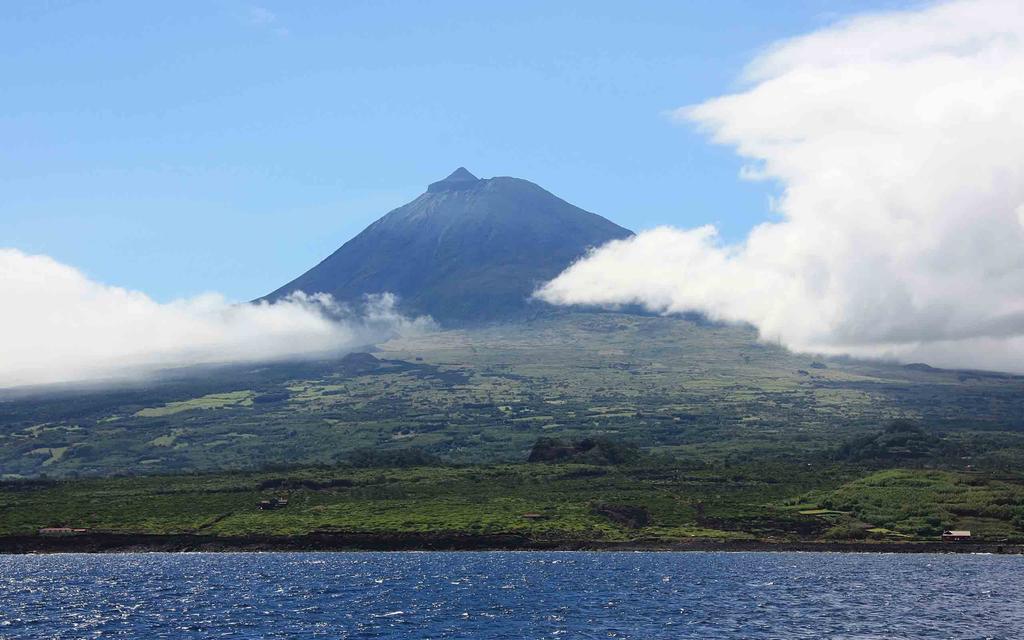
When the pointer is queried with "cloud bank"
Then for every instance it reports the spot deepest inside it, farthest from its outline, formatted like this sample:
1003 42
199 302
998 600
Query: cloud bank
898 142
57 325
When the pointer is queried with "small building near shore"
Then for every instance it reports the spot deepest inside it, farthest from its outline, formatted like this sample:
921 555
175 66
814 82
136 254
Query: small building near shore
956 536
275 503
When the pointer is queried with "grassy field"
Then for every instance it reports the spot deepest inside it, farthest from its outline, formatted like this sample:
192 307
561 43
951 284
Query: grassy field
212 401
640 501
688 390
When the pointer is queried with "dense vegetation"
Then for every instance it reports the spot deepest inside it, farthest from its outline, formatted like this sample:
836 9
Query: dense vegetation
644 500
684 390
902 441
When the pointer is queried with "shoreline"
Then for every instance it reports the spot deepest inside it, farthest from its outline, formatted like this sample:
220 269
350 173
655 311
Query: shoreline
140 543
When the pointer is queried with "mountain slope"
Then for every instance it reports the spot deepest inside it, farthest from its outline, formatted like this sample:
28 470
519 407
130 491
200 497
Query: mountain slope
466 251
707 393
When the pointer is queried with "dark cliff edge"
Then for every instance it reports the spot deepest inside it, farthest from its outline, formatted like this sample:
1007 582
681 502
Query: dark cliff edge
121 543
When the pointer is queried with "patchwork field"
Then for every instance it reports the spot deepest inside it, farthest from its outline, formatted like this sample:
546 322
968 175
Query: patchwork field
685 390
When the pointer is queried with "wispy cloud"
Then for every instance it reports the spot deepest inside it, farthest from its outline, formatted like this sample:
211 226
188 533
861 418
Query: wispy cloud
57 325
899 141
263 18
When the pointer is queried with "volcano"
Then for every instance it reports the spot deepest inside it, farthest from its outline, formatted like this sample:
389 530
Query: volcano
467 251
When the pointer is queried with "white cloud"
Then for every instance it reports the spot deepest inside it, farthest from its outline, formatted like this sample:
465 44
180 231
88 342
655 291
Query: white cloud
898 140
264 18
57 325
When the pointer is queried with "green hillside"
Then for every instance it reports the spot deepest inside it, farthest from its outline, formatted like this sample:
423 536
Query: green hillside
682 389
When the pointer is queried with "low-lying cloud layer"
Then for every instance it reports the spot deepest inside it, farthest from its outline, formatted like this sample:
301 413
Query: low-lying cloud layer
898 139
57 325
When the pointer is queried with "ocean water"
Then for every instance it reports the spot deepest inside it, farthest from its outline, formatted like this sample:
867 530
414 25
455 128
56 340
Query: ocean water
511 595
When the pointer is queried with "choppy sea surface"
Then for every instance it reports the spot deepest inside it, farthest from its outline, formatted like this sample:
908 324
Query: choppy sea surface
514 595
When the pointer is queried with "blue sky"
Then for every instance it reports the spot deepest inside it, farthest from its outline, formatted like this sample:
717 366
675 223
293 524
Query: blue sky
227 146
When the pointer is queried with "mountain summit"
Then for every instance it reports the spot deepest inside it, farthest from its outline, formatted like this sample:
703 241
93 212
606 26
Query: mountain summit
467 251
461 178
